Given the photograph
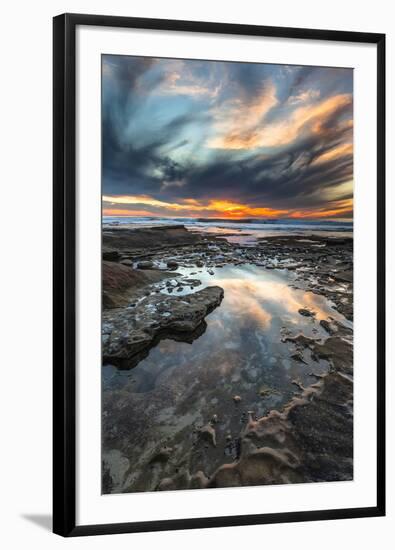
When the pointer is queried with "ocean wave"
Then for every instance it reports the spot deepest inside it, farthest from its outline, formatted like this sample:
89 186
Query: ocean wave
245 224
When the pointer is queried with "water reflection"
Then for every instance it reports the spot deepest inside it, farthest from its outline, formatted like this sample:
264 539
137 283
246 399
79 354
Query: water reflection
243 344
244 351
249 234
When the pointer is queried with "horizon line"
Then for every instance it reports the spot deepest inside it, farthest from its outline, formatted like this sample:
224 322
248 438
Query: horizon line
234 220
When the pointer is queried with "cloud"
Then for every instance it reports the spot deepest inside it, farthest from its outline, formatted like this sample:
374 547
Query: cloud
304 97
148 206
176 84
241 139
338 152
236 121
249 130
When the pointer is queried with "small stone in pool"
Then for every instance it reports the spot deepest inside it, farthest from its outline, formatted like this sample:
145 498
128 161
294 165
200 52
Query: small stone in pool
172 264
306 312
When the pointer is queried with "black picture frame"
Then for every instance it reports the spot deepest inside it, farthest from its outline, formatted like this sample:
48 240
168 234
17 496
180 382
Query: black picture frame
64 272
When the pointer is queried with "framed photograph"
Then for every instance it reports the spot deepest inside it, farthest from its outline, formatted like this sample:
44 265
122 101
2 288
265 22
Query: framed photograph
218 274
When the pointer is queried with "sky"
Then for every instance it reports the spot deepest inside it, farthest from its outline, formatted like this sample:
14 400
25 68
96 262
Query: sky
215 139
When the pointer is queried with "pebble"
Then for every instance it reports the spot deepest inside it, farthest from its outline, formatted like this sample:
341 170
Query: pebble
214 419
172 264
306 312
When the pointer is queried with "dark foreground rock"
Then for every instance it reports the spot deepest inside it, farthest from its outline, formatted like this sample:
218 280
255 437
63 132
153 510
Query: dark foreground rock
214 420
128 331
322 264
310 440
145 240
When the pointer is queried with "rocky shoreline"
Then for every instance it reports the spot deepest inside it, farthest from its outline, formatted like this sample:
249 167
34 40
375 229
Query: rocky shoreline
129 331
153 291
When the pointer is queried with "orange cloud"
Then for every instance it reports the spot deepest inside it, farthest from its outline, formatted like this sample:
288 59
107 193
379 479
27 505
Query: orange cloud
311 118
119 213
216 208
237 119
235 210
334 209
192 207
141 199
336 152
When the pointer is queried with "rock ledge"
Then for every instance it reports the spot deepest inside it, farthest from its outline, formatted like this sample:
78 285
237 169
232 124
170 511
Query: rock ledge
129 331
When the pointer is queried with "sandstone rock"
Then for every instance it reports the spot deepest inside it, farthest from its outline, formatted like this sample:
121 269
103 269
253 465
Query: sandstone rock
129 331
148 238
162 455
207 433
310 441
167 484
111 255
122 285
198 480
145 265
126 262
298 356
329 327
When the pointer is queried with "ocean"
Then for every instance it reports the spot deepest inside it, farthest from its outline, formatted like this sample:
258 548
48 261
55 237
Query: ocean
246 230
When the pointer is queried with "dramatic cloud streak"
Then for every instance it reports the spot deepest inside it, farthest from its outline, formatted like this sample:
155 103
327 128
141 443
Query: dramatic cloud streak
201 138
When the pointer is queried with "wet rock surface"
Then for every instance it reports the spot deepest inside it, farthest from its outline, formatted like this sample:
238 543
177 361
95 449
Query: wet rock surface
123 285
143 242
128 331
225 364
310 440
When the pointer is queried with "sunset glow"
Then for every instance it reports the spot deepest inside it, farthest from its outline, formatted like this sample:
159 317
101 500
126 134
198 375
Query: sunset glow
226 140
215 209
